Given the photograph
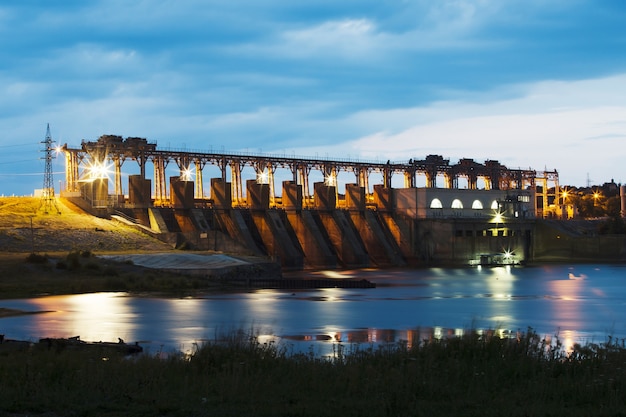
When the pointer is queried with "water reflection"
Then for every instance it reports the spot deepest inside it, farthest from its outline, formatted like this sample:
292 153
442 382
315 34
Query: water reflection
408 306
500 284
94 317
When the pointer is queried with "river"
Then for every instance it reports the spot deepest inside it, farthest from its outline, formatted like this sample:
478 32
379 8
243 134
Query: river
579 303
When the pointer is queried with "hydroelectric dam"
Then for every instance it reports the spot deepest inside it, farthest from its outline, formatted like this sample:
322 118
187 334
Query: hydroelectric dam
325 213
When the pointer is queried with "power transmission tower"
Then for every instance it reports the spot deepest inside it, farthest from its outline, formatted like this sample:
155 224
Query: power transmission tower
47 196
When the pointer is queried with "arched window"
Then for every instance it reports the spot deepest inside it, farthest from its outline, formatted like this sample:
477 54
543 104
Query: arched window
494 205
477 205
456 204
436 204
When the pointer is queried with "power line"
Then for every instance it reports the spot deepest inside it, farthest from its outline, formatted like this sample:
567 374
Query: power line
47 196
18 145
25 174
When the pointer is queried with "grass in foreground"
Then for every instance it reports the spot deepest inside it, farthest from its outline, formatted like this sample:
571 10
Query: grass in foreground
467 376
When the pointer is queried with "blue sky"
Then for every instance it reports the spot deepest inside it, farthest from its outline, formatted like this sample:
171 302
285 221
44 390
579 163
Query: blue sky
530 83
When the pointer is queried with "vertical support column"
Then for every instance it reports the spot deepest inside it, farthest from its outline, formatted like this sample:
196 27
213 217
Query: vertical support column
303 174
362 176
407 179
222 163
199 187
183 164
141 160
387 177
235 173
487 182
431 178
160 187
557 190
235 183
334 174
330 177
117 162
449 181
472 182
270 178
71 171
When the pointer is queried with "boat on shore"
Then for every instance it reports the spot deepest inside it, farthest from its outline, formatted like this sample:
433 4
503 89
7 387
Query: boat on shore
69 343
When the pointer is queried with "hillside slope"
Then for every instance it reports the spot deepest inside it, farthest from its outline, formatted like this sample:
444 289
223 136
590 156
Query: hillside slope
25 228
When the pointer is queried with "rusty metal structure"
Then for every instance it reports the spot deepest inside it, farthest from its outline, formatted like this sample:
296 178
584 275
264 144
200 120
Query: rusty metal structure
114 151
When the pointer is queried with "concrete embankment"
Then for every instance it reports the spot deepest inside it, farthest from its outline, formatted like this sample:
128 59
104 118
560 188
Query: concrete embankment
213 266
250 272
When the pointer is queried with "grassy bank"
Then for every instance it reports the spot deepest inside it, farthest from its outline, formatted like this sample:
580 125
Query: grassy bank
76 272
468 376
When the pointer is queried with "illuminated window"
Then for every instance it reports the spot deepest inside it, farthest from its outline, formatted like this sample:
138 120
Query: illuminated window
494 205
436 204
456 204
477 205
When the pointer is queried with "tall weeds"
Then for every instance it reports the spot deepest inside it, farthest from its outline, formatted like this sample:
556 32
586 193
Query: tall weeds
236 374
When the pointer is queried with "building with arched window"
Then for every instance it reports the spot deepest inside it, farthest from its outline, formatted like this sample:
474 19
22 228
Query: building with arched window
425 203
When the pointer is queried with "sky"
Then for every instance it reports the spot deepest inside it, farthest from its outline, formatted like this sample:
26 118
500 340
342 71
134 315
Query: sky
531 83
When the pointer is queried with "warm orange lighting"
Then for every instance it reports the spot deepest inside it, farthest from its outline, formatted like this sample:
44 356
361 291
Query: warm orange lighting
262 178
186 174
97 170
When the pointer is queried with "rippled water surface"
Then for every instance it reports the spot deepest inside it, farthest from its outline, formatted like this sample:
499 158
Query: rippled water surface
580 303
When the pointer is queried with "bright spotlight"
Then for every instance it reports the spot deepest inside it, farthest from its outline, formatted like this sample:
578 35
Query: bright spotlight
330 180
262 178
186 174
97 170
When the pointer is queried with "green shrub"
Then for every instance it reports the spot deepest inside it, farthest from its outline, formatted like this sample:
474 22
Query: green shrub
73 260
35 258
110 271
94 266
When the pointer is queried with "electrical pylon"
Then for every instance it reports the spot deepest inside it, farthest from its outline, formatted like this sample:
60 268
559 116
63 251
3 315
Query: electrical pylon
48 201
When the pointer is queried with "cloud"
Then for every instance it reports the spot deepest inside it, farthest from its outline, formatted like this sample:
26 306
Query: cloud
347 39
552 124
375 79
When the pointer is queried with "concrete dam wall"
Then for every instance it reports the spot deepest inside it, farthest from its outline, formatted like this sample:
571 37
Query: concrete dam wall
388 228
340 238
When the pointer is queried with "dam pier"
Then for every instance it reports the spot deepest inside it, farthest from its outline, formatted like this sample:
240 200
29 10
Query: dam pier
354 216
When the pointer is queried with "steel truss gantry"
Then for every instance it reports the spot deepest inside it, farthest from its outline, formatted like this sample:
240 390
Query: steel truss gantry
114 150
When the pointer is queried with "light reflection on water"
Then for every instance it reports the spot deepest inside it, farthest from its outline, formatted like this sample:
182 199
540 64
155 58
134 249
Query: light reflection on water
581 304
96 317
